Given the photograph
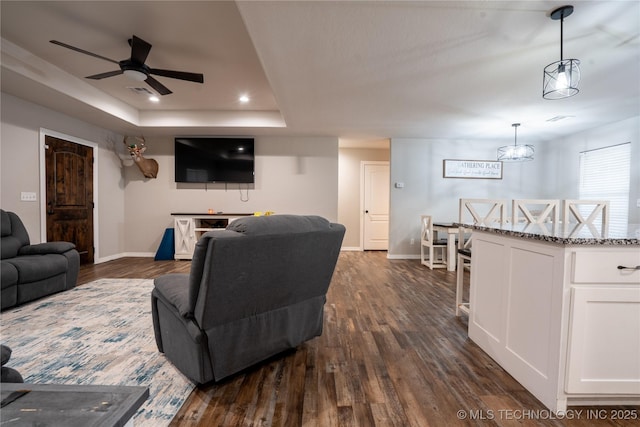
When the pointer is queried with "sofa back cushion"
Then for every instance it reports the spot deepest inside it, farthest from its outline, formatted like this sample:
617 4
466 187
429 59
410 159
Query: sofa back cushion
259 264
14 235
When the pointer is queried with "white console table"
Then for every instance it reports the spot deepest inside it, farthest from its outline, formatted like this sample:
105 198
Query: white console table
188 227
559 312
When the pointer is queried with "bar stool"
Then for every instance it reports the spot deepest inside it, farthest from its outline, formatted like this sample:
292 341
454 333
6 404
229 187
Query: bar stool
586 212
535 211
429 245
474 211
464 262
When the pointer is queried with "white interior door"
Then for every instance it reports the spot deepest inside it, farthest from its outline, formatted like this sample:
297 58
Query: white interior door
375 203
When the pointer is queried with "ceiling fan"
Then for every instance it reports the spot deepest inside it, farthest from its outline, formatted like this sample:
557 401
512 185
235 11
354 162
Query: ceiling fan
135 67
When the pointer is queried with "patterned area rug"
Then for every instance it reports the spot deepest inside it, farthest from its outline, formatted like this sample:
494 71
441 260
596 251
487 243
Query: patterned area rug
97 333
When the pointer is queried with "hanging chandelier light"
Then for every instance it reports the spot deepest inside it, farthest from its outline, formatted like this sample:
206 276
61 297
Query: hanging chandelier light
515 152
561 78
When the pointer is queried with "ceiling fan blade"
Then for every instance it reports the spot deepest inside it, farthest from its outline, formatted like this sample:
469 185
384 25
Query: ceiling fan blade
139 49
86 52
192 77
159 87
104 75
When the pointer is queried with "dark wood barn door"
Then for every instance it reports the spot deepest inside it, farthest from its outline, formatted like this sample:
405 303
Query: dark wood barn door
69 172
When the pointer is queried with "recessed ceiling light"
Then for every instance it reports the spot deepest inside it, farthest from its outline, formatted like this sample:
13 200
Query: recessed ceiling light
154 98
244 99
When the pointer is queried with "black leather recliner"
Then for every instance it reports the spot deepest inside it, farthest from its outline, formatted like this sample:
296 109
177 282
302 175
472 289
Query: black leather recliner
7 374
256 289
30 271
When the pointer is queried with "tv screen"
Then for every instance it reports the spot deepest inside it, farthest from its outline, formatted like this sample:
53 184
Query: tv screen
214 159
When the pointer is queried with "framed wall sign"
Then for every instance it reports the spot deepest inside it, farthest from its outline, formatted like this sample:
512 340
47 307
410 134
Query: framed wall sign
483 169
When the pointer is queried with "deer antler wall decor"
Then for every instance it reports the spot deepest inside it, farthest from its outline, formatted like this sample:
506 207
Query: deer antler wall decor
136 146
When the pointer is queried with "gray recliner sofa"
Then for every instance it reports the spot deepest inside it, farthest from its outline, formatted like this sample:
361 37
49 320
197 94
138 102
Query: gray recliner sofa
255 289
30 271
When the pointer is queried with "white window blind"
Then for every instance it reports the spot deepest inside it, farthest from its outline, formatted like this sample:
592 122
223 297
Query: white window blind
605 175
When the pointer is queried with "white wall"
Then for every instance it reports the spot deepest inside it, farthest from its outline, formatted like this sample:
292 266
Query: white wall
349 213
418 164
20 153
297 175
563 165
552 174
293 175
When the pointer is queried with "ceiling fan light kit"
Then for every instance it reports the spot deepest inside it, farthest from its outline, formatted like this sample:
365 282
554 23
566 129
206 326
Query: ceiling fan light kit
135 67
561 78
136 75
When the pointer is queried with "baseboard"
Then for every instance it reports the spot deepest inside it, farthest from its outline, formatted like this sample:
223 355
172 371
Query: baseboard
152 255
140 254
107 258
124 255
403 256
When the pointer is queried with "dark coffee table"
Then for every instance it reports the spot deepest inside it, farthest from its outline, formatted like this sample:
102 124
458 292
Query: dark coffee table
71 405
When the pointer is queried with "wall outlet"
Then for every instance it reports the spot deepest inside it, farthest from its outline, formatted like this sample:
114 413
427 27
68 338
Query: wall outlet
28 196
412 241
638 203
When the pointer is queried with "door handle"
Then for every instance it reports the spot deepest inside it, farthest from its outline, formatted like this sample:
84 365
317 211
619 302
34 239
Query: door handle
50 208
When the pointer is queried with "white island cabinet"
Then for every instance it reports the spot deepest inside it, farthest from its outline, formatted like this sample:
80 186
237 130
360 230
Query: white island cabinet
188 228
559 312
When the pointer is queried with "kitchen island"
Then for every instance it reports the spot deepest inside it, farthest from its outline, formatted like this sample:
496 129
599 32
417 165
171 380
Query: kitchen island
560 310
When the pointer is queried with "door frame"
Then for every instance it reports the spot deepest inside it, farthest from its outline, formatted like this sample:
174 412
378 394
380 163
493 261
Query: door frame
43 184
363 163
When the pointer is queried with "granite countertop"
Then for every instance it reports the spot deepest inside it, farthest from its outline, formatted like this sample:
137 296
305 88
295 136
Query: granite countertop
570 234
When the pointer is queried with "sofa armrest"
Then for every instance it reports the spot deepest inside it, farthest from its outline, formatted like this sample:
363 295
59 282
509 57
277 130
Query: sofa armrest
6 354
174 289
46 248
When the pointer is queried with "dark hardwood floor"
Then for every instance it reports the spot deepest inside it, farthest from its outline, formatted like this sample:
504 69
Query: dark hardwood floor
392 354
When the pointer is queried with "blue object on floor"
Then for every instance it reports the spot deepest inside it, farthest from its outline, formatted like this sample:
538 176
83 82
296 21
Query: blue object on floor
166 248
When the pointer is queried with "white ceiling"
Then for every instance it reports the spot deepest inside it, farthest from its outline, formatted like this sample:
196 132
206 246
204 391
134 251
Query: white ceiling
350 69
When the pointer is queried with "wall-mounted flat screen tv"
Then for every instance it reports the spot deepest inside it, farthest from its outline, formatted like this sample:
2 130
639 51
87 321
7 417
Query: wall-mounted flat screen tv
214 159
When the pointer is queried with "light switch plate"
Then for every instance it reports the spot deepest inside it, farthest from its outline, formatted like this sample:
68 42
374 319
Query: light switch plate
28 196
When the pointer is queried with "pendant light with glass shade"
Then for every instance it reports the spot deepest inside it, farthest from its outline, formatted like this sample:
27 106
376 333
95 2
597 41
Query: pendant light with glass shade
561 78
515 152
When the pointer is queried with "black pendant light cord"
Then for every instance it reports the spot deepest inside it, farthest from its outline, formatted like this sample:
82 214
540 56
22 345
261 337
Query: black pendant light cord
559 14
561 35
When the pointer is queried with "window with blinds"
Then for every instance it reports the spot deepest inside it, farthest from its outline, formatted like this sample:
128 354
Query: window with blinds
605 175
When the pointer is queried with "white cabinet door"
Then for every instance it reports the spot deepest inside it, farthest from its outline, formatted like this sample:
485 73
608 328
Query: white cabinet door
604 340
185 237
